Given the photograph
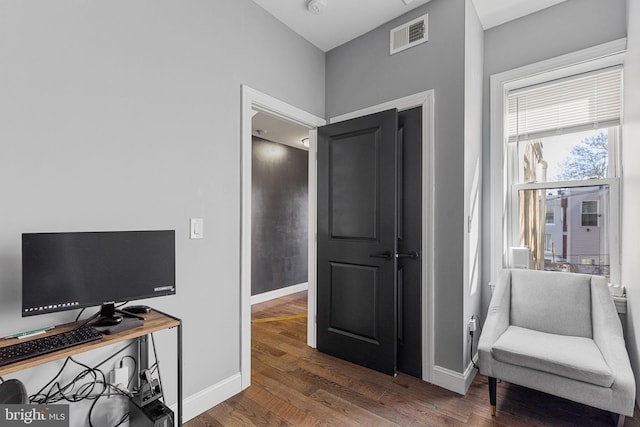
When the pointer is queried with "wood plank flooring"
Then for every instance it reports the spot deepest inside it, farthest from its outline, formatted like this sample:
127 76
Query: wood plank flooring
294 385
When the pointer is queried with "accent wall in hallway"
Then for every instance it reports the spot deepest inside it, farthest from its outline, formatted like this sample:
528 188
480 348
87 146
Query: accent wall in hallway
279 216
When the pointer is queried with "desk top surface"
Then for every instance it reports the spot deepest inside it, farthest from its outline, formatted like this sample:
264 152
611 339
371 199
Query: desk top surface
153 322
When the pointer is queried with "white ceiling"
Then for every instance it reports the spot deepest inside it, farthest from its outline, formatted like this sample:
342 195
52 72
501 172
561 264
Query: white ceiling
344 20
274 129
336 25
496 12
340 21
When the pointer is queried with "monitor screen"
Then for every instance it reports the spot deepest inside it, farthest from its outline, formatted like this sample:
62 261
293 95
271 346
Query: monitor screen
66 271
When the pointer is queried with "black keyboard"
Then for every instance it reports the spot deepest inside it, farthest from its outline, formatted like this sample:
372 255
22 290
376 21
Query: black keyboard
36 347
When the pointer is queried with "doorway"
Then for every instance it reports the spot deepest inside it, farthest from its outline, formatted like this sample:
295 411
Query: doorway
252 99
425 100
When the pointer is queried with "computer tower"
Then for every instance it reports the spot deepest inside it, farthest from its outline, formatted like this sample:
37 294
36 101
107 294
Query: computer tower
154 414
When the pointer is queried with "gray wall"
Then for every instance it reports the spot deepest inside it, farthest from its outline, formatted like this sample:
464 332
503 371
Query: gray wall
561 29
360 74
631 185
126 115
280 205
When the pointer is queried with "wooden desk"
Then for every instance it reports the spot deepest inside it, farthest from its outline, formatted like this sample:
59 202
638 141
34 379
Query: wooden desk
154 321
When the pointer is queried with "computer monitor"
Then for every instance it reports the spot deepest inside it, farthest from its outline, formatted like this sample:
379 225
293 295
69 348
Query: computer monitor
67 271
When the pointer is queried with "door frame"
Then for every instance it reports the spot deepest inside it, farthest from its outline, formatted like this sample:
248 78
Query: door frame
253 99
426 101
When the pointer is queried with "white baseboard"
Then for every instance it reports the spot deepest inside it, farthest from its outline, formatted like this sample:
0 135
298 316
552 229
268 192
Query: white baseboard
452 380
470 373
203 400
267 296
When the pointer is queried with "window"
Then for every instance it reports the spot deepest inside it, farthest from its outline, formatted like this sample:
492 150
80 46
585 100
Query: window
589 213
562 139
551 216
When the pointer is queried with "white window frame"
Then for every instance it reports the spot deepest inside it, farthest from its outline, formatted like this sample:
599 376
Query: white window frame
513 188
502 200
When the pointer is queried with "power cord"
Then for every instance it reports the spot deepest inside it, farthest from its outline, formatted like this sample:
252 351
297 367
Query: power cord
96 387
133 371
157 367
471 352
475 365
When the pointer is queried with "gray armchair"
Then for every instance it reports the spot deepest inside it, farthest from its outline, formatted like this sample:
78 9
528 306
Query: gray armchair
558 333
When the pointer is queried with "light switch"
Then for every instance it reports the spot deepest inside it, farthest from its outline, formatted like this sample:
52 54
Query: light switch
196 226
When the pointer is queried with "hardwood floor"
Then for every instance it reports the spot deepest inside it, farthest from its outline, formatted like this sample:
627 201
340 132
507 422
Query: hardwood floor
294 385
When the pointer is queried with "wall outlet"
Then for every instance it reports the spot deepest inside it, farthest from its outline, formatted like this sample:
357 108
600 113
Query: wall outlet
472 325
120 377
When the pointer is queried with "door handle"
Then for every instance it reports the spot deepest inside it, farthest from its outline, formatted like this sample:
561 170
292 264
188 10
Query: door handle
385 255
410 255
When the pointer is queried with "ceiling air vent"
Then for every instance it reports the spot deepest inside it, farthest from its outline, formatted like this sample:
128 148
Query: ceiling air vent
408 35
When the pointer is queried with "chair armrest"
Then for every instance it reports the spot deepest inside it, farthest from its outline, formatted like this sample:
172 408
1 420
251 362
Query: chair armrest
607 330
608 335
497 320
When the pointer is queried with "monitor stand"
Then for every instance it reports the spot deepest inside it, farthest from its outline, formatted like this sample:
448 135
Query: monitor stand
109 315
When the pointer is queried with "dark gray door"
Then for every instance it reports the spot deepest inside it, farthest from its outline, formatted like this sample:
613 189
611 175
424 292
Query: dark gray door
410 242
357 240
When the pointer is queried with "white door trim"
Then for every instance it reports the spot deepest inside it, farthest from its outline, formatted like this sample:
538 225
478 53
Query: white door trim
255 100
426 101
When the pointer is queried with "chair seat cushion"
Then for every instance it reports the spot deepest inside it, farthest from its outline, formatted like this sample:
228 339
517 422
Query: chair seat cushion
572 357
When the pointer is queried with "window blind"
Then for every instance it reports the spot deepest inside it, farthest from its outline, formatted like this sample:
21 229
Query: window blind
581 102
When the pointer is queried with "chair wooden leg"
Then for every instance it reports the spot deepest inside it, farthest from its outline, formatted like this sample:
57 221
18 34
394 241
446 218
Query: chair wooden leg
492 395
620 420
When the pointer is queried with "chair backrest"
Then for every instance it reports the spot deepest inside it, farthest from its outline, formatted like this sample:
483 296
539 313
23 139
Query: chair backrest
552 302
